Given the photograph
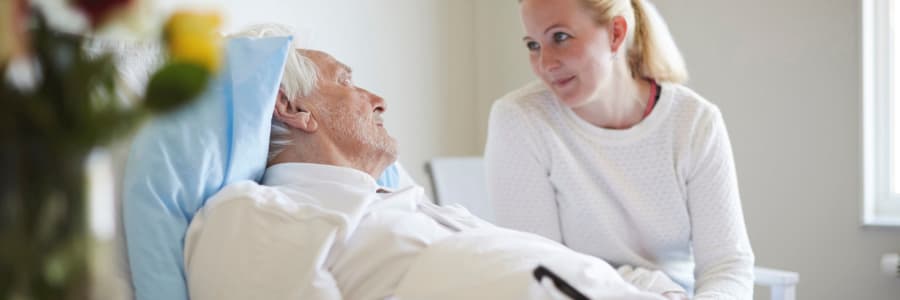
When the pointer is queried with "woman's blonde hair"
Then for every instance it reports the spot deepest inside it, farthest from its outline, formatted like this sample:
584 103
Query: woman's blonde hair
651 51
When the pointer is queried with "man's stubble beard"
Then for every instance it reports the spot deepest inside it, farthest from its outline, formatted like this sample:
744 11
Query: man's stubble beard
370 141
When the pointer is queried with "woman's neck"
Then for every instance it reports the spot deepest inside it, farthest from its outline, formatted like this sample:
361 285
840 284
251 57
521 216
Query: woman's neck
619 104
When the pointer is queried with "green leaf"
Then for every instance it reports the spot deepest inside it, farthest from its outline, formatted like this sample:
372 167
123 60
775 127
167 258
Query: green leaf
175 84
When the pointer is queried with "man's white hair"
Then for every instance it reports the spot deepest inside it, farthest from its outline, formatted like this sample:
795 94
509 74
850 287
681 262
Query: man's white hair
299 79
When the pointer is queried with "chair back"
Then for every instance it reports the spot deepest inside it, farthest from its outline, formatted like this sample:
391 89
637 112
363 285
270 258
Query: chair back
461 180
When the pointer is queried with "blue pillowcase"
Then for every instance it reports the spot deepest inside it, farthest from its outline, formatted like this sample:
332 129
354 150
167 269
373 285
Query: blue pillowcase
390 178
179 160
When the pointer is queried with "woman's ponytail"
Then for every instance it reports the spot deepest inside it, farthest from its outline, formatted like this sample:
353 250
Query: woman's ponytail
652 52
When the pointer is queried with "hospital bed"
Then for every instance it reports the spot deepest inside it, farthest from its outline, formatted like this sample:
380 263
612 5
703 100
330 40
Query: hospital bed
461 180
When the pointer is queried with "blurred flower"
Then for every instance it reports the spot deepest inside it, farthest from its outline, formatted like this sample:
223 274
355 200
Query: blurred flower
140 20
70 106
192 37
98 11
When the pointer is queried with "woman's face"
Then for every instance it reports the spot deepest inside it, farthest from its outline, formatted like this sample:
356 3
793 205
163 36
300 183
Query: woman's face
568 51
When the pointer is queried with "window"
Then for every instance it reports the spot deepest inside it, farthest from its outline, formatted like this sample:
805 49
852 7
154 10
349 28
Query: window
881 112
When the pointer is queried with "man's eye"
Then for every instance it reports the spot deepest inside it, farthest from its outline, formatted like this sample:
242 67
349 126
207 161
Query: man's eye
532 46
561 37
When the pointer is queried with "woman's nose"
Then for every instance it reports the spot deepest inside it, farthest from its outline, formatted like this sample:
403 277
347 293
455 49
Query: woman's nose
549 61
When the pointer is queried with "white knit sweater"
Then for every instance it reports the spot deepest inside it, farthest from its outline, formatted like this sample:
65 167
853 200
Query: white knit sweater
660 195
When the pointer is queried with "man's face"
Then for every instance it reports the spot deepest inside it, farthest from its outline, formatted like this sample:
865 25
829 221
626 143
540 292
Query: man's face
351 115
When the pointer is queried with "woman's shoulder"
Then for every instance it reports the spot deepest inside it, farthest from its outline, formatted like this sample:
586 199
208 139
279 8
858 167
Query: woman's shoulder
691 104
694 118
532 98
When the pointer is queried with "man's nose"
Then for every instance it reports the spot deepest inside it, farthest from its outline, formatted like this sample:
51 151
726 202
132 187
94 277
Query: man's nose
377 102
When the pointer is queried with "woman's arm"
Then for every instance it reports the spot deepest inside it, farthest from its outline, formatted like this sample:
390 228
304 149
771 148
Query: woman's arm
517 173
723 257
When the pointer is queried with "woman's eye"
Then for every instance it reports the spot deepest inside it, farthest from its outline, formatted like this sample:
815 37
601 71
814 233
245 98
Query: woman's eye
532 46
561 37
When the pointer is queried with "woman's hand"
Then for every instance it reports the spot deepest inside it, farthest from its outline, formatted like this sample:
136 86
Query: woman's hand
675 295
652 281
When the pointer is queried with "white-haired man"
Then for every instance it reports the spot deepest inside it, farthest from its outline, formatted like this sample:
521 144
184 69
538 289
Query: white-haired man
319 227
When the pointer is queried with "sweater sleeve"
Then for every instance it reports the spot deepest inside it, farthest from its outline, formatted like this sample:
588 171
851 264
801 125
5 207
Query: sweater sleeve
722 252
518 174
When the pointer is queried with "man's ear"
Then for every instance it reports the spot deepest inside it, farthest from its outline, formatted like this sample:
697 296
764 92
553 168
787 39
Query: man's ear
618 30
294 114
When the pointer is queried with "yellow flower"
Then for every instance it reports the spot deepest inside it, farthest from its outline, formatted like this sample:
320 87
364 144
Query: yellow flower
192 37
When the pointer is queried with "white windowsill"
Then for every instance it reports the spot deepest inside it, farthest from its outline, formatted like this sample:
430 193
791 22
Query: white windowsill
881 221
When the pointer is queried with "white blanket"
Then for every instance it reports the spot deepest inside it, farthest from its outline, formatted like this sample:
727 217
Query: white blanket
333 237
495 263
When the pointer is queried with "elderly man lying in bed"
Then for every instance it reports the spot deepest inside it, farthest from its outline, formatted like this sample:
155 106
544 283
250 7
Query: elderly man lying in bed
319 227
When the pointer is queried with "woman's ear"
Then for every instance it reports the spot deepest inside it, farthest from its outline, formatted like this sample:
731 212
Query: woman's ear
294 114
618 30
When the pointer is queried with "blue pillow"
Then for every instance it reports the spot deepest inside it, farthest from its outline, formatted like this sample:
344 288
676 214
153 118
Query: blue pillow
390 177
179 160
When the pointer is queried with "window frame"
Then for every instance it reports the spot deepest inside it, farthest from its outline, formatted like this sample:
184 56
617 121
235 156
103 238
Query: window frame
881 206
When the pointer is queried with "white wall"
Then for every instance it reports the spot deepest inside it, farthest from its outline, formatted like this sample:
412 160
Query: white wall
786 75
502 60
417 54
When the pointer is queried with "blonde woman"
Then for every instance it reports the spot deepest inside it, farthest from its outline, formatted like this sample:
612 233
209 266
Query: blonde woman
610 155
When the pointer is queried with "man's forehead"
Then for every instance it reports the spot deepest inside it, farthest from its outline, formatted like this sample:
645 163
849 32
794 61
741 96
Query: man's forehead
322 59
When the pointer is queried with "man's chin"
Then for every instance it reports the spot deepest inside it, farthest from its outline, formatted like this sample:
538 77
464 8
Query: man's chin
391 150
385 149
385 158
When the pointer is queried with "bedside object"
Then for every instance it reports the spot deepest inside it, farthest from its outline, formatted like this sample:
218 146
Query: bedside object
890 264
